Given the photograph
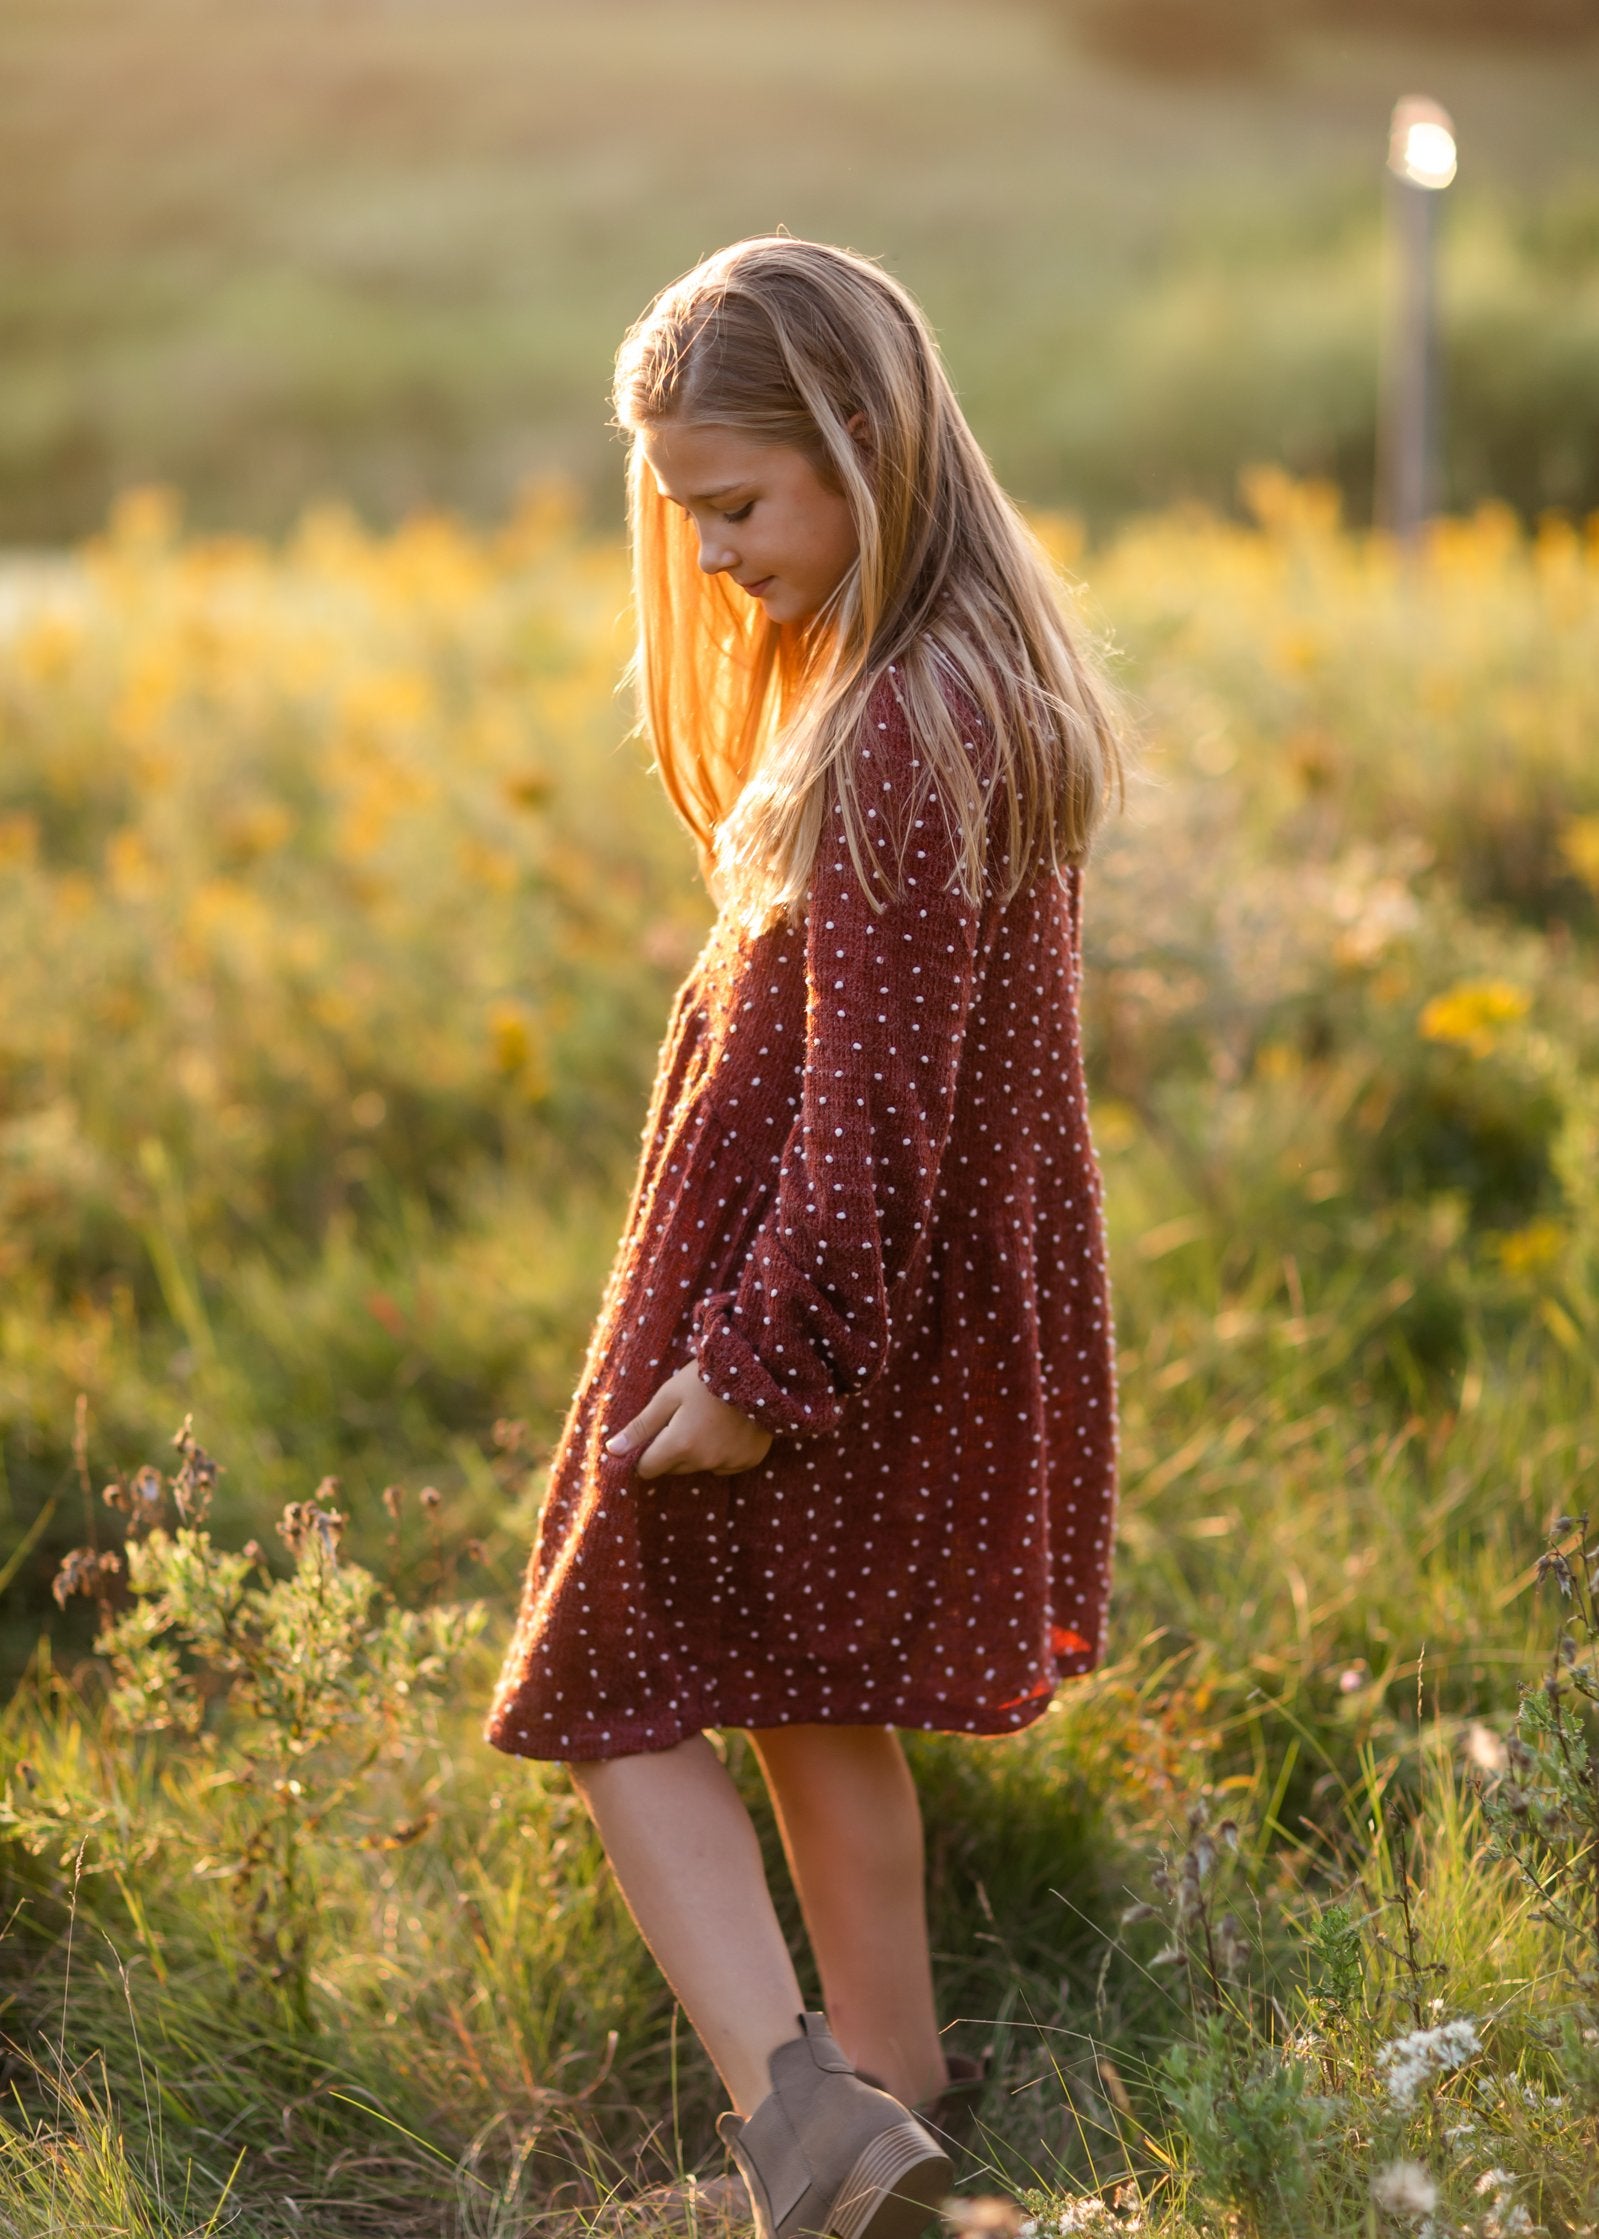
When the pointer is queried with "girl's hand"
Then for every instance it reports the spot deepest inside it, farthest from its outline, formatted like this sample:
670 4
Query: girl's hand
685 1428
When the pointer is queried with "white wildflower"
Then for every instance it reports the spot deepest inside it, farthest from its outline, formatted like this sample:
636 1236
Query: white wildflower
1404 2189
1088 2215
1505 2219
1093 2217
1409 2061
1485 1749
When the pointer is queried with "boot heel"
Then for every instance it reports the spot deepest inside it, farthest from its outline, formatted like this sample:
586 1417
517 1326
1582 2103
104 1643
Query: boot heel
895 2187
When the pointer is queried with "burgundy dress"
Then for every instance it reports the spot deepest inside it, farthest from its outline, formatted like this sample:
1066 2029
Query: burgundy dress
868 1205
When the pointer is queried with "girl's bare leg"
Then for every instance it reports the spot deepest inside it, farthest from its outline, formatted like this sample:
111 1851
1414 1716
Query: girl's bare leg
688 1861
852 1827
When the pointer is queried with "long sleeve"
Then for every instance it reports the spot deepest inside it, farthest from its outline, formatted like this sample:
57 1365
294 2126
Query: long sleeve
811 1320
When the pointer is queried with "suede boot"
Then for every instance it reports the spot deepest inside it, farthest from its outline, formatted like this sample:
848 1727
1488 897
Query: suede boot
951 2113
827 2156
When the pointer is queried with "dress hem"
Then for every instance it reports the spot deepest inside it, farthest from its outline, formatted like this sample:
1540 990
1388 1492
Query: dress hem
984 1722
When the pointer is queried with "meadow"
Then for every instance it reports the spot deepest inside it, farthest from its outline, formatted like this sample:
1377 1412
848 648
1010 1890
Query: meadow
264 249
343 916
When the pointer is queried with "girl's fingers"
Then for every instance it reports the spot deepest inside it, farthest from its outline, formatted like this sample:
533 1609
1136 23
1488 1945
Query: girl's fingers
654 1416
646 1436
644 1425
651 1437
673 1465
678 1457
650 1450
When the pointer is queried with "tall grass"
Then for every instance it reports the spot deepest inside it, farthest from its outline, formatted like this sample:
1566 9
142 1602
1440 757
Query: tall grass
346 923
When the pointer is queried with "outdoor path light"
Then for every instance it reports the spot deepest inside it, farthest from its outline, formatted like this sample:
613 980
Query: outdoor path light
1421 162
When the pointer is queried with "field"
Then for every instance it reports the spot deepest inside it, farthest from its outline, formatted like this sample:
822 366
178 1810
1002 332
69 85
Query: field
343 919
265 249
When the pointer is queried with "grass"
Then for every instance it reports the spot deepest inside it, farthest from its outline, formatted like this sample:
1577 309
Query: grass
326 1056
265 251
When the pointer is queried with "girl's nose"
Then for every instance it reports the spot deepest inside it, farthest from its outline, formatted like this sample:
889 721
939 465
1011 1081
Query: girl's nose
714 557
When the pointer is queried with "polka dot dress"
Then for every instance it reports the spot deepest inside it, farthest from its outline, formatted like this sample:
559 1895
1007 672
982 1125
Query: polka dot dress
868 1206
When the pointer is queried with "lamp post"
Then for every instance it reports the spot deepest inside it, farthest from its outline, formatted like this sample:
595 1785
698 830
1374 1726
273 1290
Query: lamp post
1421 163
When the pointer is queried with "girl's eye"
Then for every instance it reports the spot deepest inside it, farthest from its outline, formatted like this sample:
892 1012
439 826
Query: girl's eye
742 514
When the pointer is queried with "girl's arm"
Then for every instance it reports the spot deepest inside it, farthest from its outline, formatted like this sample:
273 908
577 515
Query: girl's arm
812 1317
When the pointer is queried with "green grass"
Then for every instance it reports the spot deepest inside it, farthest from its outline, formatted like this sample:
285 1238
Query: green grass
325 1061
269 250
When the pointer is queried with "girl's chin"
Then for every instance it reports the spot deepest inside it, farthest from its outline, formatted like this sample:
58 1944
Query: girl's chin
787 606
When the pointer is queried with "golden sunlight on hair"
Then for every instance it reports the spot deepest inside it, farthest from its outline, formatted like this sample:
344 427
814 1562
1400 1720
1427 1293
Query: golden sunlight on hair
787 341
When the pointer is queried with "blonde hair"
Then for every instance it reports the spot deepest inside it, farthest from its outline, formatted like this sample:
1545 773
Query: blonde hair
786 340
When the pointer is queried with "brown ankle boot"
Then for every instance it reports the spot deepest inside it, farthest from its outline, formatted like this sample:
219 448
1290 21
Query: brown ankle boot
828 2156
949 2114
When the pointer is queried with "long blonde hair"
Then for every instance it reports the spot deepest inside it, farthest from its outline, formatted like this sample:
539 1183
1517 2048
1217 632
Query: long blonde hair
785 340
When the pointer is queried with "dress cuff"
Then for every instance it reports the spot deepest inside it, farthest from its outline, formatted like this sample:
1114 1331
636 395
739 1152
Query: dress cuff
734 1372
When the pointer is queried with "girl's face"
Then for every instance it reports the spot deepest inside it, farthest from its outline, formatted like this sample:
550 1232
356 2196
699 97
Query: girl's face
763 514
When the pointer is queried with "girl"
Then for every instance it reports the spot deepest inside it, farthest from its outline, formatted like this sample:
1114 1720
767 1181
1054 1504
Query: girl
842 1457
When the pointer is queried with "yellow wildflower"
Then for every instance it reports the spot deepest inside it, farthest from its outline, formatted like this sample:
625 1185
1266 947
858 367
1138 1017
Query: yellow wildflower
130 870
147 518
387 700
1580 844
517 1046
494 869
1471 1012
1523 1250
1064 536
1278 1061
1115 1123
45 648
1284 505
19 837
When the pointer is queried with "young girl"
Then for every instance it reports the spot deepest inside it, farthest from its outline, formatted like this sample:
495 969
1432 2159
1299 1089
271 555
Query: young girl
842 1457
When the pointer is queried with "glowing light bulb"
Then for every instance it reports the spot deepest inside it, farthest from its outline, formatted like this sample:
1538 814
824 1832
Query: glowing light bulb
1421 142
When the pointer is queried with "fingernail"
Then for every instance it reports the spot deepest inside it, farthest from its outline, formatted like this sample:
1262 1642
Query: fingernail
618 1444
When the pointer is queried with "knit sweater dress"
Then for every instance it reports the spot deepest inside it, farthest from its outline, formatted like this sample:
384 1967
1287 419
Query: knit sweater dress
868 1207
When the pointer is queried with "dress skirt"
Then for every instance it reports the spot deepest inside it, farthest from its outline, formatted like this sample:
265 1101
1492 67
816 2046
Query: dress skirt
868 1207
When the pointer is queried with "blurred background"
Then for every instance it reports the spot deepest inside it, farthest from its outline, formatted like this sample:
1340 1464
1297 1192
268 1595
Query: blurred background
387 247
